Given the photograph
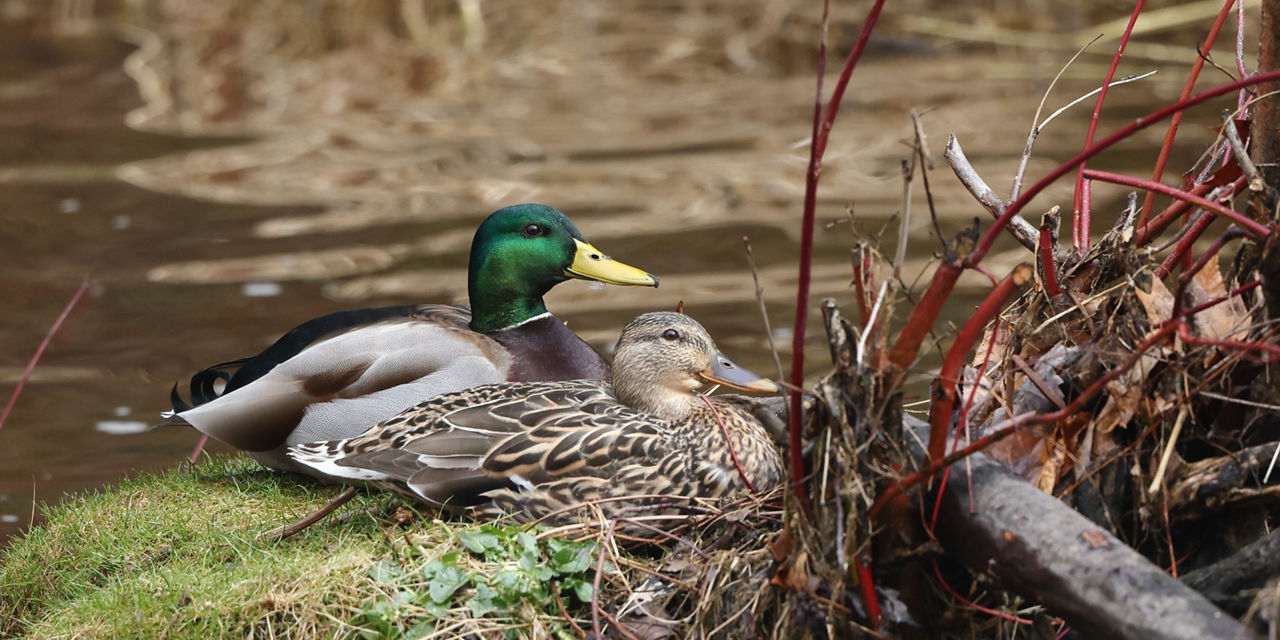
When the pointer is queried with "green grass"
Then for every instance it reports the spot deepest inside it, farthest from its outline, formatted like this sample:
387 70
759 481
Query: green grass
177 555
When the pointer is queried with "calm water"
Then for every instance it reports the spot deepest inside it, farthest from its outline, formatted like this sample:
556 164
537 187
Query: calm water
168 297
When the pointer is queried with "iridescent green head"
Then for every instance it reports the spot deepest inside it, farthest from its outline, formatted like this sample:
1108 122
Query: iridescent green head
520 252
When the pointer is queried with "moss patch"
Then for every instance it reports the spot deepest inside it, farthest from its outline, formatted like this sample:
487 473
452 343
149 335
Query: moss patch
177 555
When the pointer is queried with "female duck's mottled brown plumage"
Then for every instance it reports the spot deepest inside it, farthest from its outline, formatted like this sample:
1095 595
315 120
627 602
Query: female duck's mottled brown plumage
539 448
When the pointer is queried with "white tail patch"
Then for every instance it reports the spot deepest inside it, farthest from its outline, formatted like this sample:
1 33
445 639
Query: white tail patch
324 457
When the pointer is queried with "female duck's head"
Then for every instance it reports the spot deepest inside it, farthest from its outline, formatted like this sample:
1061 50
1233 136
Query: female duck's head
520 252
663 356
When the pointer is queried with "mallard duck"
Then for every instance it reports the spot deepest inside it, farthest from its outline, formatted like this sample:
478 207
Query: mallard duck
335 375
537 449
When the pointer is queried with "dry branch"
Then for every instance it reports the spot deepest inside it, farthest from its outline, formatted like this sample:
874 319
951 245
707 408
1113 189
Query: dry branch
1232 583
1023 231
1208 485
1042 549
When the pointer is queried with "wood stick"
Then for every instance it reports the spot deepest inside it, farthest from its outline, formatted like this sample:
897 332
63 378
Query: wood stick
1208 485
1230 583
1042 549
286 531
1024 232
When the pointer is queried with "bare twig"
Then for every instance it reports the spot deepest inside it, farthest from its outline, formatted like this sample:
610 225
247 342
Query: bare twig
988 239
595 584
1158 479
1024 232
764 312
1036 126
44 344
289 530
904 225
1063 108
1256 182
926 163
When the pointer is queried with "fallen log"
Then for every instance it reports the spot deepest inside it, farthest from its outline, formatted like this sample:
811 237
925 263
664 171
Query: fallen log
1232 582
1038 547
1208 485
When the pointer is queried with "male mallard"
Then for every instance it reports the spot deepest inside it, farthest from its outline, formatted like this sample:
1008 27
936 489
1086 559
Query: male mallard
335 375
535 449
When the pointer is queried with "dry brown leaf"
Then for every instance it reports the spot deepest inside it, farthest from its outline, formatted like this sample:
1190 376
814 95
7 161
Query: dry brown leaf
782 545
1158 303
1223 319
1125 394
1052 456
998 350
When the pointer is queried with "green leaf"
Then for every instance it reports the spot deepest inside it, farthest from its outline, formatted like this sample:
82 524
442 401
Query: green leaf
482 603
570 560
527 541
430 569
403 598
446 581
582 589
423 629
527 561
437 609
479 541
511 583
543 573
379 617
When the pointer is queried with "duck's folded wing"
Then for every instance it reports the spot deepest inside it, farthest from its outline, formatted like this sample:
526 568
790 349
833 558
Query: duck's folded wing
566 431
459 448
365 374
421 446
452 445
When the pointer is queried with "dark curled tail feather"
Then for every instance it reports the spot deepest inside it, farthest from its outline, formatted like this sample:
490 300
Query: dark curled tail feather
203 386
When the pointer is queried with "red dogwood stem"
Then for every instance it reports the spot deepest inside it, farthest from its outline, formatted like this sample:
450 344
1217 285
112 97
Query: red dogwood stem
1008 427
921 319
1172 132
1129 181
44 344
1080 214
1157 224
1230 234
1048 270
944 395
1214 302
818 146
1015 207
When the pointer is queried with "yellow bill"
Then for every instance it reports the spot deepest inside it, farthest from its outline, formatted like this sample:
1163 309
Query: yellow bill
590 263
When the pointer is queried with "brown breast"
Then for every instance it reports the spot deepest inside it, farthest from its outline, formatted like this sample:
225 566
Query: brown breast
545 349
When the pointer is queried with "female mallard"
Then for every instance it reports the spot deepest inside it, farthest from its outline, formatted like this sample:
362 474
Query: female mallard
331 377
535 449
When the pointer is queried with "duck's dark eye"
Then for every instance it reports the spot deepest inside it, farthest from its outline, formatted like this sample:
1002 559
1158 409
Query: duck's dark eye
670 334
531 230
